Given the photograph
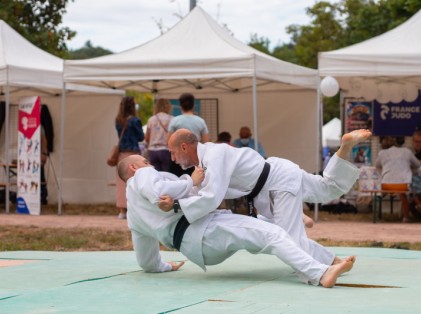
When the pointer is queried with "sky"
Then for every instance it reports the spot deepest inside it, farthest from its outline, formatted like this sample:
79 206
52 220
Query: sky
119 25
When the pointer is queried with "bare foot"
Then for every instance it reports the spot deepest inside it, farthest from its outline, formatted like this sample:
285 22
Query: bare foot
351 139
329 278
308 222
338 260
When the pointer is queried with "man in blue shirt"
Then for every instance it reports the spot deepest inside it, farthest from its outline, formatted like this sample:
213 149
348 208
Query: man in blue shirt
246 140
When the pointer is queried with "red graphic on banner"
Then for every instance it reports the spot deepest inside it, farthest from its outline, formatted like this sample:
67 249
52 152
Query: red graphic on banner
29 116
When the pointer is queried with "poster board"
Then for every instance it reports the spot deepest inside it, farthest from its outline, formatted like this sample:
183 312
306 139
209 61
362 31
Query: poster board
29 156
359 115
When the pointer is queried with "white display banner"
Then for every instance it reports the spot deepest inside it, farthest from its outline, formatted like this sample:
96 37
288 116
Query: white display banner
29 156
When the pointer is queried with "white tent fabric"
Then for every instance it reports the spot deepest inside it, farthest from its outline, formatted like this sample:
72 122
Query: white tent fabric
395 54
26 70
332 133
199 56
196 48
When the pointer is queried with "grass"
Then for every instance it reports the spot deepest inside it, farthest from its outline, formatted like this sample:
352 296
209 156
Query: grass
15 238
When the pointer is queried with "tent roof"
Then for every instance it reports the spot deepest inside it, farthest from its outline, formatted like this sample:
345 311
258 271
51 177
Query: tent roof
331 133
23 64
394 53
197 48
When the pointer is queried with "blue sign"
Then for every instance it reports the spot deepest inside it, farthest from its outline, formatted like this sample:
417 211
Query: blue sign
396 119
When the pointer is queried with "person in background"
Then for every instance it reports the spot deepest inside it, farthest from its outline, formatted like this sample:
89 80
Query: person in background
129 127
44 157
187 120
416 144
47 145
157 135
224 137
245 140
396 164
327 158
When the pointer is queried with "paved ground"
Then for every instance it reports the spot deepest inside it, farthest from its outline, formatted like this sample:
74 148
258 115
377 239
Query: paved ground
335 230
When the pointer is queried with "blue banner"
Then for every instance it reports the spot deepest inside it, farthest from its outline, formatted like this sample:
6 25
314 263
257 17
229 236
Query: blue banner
397 119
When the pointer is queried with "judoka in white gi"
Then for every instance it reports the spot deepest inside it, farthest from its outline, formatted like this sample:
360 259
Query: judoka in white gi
233 172
210 239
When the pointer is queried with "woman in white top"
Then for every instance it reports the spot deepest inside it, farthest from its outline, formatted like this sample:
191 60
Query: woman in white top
156 135
396 165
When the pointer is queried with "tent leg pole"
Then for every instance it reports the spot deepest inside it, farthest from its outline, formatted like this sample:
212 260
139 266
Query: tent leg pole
6 149
255 126
60 185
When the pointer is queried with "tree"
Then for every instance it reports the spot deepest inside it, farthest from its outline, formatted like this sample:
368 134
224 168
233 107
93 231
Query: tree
145 101
338 25
259 43
38 21
87 51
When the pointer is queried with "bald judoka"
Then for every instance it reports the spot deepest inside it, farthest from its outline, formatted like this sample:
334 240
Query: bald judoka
235 172
210 239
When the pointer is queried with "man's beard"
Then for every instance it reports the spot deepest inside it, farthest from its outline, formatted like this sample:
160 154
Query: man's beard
184 163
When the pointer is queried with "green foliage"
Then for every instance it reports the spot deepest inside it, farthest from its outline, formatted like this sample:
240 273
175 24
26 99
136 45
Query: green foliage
87 51
337 25
145 101
259 43
38 21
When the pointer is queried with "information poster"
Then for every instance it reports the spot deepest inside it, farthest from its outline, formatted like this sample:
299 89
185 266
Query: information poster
29 156
358 115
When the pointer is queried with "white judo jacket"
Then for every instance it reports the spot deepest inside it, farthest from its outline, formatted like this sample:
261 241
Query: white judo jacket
233 172
150 225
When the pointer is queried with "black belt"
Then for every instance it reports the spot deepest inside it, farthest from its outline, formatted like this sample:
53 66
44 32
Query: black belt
179 231
257 188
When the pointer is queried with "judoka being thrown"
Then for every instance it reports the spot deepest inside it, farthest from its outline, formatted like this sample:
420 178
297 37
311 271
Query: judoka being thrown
208 240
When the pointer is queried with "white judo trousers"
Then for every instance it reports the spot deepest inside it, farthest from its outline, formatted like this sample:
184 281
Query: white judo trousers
232 172
339 177
229 233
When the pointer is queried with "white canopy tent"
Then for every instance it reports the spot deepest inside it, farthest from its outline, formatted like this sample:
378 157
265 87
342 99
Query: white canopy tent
332 133
26 70
199 56
389 64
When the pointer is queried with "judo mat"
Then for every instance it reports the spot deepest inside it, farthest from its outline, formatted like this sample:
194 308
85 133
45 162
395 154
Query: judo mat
382 281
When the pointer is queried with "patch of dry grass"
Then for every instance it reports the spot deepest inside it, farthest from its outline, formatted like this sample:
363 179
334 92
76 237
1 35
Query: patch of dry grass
78 209
16 238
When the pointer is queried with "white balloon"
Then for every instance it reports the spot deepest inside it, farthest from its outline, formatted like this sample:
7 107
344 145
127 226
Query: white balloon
411 92
329 86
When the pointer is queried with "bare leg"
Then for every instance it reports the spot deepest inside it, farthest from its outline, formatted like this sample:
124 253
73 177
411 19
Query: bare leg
351 139
123 213
329 278
405 207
